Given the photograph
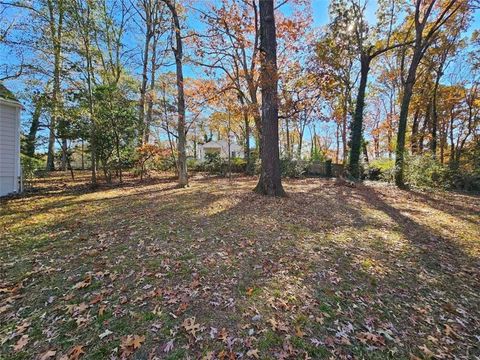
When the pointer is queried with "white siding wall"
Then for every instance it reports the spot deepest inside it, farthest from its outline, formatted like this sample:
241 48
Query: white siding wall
9 148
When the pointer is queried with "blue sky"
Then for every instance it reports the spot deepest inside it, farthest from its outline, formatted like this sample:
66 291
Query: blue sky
319 15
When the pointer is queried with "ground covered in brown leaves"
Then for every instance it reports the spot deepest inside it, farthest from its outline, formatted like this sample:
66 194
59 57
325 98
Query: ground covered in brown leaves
216 271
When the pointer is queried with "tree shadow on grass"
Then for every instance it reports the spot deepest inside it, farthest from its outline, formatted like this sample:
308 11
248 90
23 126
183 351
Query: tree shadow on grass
319 246
296 239
468 205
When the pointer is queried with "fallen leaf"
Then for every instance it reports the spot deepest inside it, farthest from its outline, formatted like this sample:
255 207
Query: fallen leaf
426 350
168 347
209 356
84 283
22 327
5 308
48 354
298 331
190 326
75 352
131 343
253 353
21 343
101 309
449 331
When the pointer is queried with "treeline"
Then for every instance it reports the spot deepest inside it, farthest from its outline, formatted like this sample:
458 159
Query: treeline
108 78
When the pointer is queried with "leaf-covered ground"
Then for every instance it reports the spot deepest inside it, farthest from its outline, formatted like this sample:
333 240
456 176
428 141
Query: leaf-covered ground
217 272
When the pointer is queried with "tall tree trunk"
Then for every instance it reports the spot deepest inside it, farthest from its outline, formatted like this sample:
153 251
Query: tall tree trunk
451 162
32 134
402 119
153 71
289 146
64 154
423 130
337 137
143 86
181 128
357 124
344 127
433 143
270 182
246 122
83 156
55 13
414 135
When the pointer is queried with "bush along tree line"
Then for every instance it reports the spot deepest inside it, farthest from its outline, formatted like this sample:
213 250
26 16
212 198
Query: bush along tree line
392 97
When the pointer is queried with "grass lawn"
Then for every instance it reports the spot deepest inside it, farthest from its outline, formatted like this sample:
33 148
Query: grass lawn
147 271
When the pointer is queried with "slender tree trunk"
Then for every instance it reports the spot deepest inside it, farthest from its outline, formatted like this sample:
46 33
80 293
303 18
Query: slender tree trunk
55 13
143 86
414 135
153 71
337 137
357 124
289 146
433 143
452 143
270 182
246 122
344 128
181 128
247 140
424 129
300 144
64 154
32 134
83 156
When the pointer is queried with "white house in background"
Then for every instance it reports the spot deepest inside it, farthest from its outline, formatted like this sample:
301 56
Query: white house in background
219 147
10 176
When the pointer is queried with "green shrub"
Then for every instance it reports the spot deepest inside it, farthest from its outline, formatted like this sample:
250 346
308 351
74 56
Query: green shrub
461 179
423 171
381 169
293 168
163 164
318 155
193 164
213 163
30 168
238 165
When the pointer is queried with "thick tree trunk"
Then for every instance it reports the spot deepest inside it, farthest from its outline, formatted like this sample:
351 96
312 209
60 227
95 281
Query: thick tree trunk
357 124
270 182
402 120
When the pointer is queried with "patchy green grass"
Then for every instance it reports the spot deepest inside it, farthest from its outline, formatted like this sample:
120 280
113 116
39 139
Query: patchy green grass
216 271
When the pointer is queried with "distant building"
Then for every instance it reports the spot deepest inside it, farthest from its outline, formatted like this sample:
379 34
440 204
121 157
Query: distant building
219 147
10 175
